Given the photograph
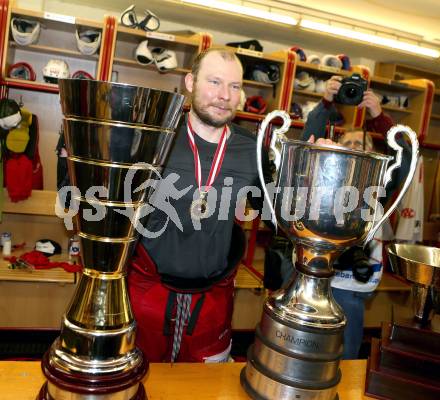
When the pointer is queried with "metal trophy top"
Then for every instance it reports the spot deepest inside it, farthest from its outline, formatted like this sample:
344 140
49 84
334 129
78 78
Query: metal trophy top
326 195
120 102
420 265
117 139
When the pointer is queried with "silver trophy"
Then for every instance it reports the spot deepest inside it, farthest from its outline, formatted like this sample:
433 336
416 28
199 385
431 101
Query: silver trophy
405 364
420 265
325 200
117 137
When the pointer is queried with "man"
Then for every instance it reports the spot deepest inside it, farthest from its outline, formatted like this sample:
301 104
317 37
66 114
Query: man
181 283
358 270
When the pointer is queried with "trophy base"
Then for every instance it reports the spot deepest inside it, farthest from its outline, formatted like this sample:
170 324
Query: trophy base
140 395
408 335
62 384
403 365
272 390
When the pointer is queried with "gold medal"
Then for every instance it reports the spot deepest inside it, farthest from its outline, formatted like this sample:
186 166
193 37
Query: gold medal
199 208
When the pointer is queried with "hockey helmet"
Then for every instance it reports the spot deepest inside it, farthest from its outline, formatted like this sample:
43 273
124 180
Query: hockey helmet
25 31
88 41
54 70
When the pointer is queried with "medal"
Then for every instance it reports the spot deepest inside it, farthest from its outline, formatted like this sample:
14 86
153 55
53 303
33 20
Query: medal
199 208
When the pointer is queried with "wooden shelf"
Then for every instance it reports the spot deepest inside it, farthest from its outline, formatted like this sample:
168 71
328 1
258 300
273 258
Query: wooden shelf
397 109
296 122
247 116
322 68
395 70
36 48
58 275
31 85
257 84
387 83
41 202
184 381
245 279
308 93
45 16
251 53
150 67
190 40
435 116
393 283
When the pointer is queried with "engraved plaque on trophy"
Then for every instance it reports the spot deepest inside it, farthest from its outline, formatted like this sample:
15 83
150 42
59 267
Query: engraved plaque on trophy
117 137
324 201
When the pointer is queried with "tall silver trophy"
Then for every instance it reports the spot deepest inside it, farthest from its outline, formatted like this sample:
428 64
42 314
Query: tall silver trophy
325 200
117 138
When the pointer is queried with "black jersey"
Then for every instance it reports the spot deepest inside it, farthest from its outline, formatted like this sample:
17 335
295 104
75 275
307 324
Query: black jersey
193 253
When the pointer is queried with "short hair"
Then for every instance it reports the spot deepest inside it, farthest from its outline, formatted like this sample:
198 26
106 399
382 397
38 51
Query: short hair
368 139
226 54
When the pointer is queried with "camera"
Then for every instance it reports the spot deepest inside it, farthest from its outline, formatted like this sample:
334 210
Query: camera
356 259
352 90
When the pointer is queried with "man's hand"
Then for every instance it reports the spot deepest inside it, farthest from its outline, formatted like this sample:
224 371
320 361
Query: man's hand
331 87
372 104
322 141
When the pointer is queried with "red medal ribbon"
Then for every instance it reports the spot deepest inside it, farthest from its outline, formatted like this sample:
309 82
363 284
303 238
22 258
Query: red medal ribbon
216 163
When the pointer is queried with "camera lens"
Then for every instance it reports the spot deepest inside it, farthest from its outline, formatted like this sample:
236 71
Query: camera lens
351 92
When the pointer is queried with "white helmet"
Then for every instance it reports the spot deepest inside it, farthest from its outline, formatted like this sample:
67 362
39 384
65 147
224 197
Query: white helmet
331 60
143 54
88 42
54 70
164 59
304 81
314 59
25 31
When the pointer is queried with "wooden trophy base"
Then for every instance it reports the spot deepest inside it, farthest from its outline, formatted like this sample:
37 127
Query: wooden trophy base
404 364
84 385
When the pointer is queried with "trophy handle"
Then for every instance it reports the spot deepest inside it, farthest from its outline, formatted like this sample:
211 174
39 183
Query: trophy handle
391 141
274 150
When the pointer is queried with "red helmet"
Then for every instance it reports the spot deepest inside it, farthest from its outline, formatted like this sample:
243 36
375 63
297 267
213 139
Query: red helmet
80 74
255 104
22 70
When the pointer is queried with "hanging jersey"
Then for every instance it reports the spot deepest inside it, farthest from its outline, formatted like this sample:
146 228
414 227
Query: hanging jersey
410 226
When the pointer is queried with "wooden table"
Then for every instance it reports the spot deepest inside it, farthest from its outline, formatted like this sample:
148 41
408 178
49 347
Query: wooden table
20 380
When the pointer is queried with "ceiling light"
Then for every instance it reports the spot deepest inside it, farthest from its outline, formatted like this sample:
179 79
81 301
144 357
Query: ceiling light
369 38
244 10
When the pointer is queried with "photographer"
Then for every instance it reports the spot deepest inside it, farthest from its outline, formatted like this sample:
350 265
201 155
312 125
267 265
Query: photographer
322 113
358 270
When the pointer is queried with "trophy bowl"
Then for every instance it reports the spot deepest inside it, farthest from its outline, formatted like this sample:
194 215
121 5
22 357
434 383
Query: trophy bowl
419 265
117 140
325 199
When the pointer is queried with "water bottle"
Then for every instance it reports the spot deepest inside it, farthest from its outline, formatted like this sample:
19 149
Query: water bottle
6 243
74 249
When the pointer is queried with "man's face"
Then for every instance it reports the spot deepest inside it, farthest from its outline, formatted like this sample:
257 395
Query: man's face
353 140
216 89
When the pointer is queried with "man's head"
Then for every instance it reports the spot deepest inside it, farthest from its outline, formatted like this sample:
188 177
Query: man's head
215 84
354 139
